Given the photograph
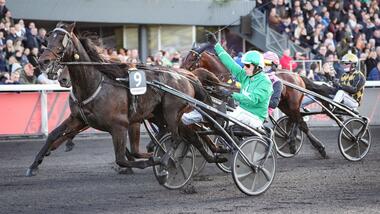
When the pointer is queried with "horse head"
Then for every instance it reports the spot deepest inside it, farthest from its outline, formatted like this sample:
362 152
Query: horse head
193 59
60 47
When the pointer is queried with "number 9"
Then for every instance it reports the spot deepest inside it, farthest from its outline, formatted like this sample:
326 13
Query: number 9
137 77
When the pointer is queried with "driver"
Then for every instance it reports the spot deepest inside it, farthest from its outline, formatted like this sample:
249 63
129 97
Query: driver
350 86
256 87
271 61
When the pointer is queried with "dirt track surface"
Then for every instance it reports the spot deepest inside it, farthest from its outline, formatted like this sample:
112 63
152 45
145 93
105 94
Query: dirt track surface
85 181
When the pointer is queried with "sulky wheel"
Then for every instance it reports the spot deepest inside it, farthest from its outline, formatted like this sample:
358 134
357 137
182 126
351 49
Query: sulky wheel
226 166
281 134
181 163
254 180
354 139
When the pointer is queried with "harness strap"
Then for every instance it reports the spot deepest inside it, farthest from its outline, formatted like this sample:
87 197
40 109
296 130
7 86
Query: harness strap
81 104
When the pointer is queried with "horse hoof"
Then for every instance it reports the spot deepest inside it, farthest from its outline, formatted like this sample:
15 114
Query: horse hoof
126 171
219 159
155 160
162 177
292 149
69 147
322 151
150 147
30 172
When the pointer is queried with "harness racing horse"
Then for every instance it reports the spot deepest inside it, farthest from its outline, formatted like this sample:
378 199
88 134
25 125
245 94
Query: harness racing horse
205 77
94 102
290 98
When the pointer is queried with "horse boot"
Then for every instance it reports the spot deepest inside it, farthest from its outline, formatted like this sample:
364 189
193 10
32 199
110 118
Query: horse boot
162 176
318 145
292 146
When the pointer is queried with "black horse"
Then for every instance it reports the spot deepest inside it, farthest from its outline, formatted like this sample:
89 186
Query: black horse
100 102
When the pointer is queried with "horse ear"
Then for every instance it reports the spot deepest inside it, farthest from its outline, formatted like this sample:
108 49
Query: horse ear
59 24
71 27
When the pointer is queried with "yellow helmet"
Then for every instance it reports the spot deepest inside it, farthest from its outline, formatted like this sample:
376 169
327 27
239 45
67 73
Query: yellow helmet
350 58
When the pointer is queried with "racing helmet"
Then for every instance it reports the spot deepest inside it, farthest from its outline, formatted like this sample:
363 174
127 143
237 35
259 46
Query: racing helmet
349 61
253 57
271 58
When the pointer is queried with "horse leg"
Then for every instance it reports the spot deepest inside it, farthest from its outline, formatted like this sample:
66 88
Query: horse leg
119 139
68 129
313 140
69 143
212 146
292 137
134 139
189 135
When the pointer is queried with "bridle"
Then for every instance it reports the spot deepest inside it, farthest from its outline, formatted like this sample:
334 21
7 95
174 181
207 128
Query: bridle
195 64
56 65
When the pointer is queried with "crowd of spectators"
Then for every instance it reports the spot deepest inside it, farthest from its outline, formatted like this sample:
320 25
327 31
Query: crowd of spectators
20 47
163 58
329 29
19 50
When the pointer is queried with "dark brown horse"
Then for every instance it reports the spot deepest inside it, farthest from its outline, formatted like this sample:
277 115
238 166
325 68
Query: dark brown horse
104 104
206 78
290 98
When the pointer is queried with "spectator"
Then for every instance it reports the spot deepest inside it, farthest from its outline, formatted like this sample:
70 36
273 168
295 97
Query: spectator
165 59
2 40
150 60
31 39
134 56
8 18
19 33
27 75
176 59
33 59
329 40
376 36
343 46
328 67
22 26
286 61
24 57
3 9
274 19
238 59
41 38
321 55
371 61
122 55
4 76
375 73
3 63
14 77
12 34
13 64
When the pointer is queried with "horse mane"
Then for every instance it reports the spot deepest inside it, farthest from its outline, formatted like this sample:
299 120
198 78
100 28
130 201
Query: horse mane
92 45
